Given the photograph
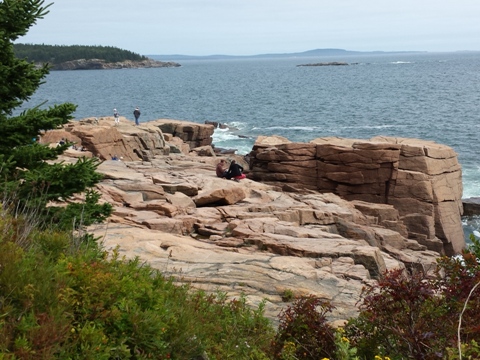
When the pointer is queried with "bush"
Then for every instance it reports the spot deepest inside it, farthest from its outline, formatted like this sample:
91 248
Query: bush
63 302
303 332
400 315
420 316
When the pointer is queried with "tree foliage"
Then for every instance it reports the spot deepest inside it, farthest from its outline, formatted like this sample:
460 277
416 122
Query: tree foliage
29 178
56 54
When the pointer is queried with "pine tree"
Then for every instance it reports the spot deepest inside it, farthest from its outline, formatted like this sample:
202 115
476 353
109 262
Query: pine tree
28 178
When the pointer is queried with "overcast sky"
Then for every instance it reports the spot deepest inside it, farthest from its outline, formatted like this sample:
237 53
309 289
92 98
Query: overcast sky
249 27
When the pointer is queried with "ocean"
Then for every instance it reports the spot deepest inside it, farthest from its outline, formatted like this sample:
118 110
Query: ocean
432 96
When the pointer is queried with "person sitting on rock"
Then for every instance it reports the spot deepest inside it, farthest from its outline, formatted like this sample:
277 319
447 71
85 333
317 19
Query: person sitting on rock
221 169
235 171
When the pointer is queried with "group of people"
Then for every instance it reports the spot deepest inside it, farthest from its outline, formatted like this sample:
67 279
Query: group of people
234 171
136 114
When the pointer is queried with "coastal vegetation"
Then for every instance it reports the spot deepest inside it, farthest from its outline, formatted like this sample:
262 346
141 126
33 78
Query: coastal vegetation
62 296
57 54
30 178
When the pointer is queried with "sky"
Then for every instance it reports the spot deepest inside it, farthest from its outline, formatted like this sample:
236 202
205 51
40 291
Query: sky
250 27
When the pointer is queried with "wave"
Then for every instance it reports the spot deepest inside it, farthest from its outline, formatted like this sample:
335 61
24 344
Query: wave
383 126
232 139
304 128
321 128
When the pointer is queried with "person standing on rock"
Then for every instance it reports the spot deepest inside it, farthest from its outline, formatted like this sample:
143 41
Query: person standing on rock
136 113
116 115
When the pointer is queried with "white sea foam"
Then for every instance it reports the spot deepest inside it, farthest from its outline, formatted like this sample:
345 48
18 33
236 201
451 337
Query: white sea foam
290 128
228 139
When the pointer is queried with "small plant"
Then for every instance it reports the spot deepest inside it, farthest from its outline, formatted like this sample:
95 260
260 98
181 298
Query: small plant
303 332
468 352
344 351
288 295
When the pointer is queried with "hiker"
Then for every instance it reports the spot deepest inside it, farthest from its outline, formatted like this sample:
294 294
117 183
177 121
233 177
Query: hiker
116 116
136 113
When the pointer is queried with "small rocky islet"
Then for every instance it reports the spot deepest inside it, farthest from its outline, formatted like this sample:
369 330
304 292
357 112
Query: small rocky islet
325 217
330 63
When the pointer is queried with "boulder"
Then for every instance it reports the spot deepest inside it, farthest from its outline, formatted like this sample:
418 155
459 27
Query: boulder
193 134
218 197
471 206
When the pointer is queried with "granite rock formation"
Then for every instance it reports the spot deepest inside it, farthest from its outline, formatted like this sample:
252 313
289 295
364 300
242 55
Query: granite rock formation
421 179
262 238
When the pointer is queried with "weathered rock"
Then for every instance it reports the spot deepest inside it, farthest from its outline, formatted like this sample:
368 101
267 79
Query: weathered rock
220 197
105 141
421 179
203 151
193 134
471 206
251 237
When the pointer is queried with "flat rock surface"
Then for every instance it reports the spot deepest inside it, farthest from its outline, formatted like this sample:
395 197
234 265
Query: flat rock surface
264 244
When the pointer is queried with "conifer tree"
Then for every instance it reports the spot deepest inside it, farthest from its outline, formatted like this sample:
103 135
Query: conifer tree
27 178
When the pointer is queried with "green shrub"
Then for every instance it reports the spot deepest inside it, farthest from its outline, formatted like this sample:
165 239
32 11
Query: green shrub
64 302
469 352
304 332
288 295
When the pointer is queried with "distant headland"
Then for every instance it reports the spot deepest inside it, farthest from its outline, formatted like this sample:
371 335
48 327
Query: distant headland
308 53
81 57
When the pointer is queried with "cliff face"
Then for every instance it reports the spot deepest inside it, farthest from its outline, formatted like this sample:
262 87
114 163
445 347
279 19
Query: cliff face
263 239
99 64
421 179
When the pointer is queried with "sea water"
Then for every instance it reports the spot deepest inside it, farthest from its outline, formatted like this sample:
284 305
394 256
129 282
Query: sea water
431 96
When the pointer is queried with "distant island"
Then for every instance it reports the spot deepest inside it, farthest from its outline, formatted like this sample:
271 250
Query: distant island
309 53
331 63
81 57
